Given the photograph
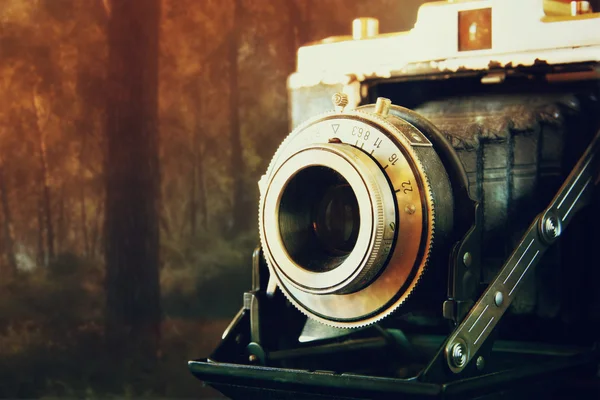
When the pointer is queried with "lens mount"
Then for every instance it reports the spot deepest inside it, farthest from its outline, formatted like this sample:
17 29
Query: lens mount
347 215
299 212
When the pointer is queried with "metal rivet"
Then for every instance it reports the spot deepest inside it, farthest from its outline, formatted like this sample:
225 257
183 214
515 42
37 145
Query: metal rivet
467 259
498 298
459 355
410 209
480 363
552 227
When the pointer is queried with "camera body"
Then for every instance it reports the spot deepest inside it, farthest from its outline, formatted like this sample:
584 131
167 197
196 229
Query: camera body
509 111
418 232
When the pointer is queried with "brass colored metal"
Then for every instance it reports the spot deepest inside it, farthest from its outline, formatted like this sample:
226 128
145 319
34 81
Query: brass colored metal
580 7
365 28
335 297
457 36
566 8
340 100
382 106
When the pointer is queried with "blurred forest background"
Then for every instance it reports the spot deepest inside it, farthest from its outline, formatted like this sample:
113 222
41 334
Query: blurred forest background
132 137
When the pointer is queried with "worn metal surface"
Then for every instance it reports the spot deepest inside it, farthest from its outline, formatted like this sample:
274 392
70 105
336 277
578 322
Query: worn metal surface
522 35
517 149
397 149
494 302
517 116
523 370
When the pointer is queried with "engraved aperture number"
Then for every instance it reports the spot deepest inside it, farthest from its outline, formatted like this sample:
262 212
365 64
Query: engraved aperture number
360 134
406 187
363 135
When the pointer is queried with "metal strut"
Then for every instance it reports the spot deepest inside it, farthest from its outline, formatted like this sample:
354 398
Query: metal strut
467 339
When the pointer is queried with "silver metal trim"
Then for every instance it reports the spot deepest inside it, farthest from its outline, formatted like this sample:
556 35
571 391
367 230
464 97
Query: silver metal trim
523 258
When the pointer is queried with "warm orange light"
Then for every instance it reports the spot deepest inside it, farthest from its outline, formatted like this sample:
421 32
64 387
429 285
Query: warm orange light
475 29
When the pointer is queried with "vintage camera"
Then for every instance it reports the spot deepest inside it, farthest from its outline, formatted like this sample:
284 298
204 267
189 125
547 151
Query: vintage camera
429 236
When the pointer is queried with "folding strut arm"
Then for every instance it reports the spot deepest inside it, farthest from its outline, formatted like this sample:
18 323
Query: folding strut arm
464 343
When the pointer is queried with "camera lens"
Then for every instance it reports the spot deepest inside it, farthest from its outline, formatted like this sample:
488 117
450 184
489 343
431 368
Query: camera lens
324 216
337 219
346 222
319 218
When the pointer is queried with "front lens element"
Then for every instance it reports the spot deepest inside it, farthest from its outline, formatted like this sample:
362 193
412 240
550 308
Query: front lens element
319 218
337 219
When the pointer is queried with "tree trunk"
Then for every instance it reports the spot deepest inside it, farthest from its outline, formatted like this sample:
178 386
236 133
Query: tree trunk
198 184
47 207
164 223
193 203
235 143
82 205
132 182
83 221
96 236
61 224
202 186
8 233
41 251
82 123
42 117
194 161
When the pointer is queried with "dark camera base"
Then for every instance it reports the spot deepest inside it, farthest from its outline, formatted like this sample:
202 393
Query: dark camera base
270 350
517 370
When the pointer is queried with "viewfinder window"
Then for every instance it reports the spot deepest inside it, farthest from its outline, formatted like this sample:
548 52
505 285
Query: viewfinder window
475 29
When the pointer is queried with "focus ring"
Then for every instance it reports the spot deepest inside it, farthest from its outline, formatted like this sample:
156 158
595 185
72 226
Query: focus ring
376 207
378 188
